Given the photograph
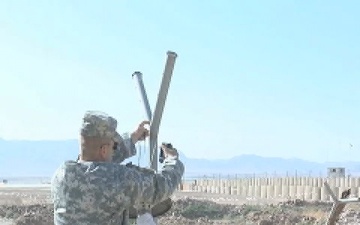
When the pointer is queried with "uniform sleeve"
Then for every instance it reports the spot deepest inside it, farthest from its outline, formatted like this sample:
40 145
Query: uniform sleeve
125 148
144 186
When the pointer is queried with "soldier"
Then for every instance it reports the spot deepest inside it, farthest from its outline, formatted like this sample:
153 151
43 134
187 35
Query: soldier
97 190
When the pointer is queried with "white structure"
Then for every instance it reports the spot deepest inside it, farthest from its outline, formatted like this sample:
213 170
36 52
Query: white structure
336 172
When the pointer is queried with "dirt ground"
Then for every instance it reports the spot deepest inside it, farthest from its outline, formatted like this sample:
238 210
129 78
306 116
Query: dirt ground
33 207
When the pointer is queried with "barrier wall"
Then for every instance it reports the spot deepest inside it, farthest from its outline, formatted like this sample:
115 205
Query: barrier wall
279 188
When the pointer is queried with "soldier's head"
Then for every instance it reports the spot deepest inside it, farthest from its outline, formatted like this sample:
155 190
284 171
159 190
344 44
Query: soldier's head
97 136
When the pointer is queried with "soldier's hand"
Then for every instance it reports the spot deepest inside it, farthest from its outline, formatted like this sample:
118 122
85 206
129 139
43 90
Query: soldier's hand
169 151
141 132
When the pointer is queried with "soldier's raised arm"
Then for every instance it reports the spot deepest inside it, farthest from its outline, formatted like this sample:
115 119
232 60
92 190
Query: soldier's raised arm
125 144
144 186
123 148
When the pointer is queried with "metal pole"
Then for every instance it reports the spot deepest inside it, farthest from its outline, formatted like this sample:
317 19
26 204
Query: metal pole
159 108
144 99
140 86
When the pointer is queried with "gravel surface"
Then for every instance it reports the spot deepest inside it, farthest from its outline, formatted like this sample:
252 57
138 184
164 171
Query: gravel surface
32 207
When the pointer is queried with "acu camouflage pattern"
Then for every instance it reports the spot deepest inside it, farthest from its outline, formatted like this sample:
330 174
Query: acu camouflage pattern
98 124
86 193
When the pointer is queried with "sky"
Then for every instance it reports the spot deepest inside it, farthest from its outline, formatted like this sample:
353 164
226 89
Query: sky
272 78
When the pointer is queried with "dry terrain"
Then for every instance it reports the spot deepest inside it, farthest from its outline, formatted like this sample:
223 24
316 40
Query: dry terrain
31 206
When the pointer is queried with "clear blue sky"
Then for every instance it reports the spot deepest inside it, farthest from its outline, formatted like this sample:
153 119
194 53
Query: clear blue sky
273 78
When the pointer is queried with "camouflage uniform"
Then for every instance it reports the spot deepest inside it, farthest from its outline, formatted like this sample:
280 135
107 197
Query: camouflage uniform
86 193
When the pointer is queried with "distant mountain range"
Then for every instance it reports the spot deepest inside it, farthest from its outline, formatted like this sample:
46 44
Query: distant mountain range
41 158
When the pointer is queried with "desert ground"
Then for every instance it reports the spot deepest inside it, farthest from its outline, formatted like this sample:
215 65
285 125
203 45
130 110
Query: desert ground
32 206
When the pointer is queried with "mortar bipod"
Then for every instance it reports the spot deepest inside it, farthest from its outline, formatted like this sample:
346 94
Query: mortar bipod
155 120
339 204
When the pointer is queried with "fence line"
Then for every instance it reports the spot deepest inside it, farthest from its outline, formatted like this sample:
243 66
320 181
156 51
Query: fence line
194 176
276 188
